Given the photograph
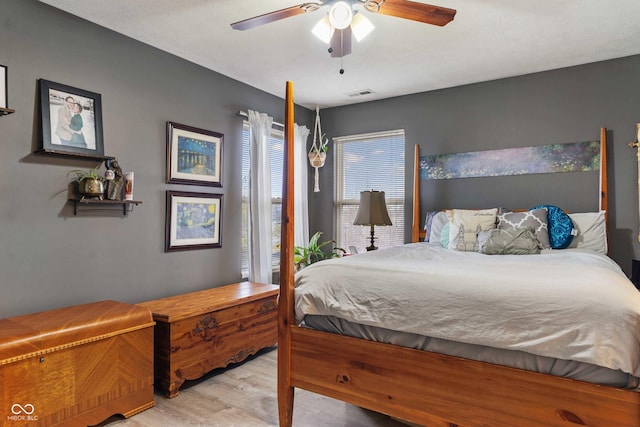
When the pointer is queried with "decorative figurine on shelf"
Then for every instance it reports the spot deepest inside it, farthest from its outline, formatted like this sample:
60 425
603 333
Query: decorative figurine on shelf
109 174
116 184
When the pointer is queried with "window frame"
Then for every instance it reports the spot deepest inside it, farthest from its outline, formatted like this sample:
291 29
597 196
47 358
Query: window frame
394 202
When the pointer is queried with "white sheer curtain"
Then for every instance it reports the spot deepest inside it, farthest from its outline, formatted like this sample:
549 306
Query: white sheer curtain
301 188
259 230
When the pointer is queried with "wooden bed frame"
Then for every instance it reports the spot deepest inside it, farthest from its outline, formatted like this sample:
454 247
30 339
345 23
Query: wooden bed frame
426 388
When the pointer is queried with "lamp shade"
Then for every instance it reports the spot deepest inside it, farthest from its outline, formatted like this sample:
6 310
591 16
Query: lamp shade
323 30
372 209
360 26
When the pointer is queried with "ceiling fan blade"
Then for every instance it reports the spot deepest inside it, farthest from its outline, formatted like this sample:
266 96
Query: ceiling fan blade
341 43
420 12
275 16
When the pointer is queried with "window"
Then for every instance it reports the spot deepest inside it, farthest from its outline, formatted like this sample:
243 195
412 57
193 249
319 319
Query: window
373 161
277 157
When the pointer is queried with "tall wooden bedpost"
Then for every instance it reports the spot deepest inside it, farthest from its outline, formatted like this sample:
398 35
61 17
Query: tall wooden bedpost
415 229
285 305
604 197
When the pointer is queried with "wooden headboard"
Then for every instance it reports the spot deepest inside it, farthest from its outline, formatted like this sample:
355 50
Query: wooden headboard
418 233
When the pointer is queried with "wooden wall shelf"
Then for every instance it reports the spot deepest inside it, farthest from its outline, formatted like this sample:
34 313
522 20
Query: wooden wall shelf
97 204
77 155
6 111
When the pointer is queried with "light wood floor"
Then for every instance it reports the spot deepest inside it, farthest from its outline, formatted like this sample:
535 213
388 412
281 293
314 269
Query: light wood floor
245 396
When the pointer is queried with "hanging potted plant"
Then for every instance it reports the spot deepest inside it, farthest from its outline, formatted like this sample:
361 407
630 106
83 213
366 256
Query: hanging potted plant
90 184
318 153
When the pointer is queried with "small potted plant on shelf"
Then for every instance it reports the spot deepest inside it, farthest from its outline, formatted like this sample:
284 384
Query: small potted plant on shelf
90 184
304 256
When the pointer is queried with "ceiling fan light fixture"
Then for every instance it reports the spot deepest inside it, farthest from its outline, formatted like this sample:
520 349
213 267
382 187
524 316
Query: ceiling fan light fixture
323 30
340 15
361 26
373 5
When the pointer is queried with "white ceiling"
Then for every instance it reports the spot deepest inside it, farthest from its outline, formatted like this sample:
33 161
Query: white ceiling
488 39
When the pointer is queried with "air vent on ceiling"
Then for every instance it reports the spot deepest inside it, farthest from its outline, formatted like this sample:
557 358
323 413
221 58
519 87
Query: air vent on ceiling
362 92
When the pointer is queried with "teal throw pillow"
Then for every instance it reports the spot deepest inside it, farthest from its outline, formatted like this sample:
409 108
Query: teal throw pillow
444 235
560 226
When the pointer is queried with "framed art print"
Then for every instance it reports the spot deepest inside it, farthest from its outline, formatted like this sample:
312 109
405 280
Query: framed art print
4 97
70 120
194 221
194 156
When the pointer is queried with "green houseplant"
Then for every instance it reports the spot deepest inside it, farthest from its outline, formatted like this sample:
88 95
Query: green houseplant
90 184
318 153
324 144
314 252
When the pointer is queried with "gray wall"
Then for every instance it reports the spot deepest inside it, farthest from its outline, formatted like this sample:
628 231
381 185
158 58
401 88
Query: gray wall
49 257
566 105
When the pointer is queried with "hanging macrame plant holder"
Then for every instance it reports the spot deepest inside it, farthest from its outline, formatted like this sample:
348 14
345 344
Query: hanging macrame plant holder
317 155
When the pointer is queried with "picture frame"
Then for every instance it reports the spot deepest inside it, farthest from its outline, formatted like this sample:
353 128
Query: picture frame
193 221
194 156
70 121
4 91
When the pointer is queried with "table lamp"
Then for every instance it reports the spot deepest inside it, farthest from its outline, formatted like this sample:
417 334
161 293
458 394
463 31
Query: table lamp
372 211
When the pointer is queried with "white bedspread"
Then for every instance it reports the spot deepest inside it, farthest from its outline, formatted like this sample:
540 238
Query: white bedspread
568 304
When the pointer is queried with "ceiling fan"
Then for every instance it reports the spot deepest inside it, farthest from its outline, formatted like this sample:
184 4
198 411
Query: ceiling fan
341 22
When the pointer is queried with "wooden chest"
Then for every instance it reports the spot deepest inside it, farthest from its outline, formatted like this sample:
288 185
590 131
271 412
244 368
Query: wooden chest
76 366
209 329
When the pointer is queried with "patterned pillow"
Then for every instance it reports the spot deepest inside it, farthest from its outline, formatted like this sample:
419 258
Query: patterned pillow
427 224
560 226
465 224
535 218
514 241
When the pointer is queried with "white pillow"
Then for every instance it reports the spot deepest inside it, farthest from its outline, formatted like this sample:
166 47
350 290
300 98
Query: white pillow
437 223
465 224
592 231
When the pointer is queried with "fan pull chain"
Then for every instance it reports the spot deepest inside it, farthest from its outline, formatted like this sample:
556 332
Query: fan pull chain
342 51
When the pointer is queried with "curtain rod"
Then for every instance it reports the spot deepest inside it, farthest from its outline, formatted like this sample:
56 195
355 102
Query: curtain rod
246 116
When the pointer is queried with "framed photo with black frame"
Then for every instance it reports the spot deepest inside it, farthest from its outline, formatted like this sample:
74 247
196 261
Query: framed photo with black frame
70 121
193 221
194 156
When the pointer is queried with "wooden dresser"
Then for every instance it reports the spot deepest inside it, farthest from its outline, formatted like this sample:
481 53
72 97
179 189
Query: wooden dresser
209 329
76 366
